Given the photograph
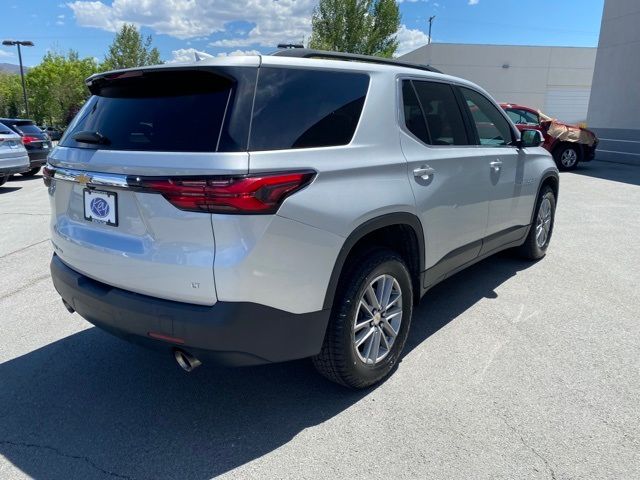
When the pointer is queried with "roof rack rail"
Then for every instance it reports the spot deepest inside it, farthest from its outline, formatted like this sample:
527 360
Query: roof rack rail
324 54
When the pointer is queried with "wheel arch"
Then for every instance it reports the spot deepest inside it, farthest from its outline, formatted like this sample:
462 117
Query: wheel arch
552 179
370 233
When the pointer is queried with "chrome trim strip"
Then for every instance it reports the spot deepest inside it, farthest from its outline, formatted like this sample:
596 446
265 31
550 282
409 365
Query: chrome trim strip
90 179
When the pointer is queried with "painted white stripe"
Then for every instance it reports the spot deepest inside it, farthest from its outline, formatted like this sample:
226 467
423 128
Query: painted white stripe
621 153
619 140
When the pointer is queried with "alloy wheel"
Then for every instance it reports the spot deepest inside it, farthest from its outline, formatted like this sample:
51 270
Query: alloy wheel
377 320
543 222
569 158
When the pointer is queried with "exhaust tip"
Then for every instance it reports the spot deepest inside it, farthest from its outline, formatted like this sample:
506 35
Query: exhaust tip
187 362
68 306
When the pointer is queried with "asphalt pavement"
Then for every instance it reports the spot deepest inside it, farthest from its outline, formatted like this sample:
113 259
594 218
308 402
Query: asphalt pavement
512 370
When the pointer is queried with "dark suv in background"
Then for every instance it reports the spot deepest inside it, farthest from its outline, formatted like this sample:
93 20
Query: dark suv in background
54 133
37 143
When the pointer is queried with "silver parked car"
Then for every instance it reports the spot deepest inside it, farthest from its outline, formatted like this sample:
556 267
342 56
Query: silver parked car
13 155
313 200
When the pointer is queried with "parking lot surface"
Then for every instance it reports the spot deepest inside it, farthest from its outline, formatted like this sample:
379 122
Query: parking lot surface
512 370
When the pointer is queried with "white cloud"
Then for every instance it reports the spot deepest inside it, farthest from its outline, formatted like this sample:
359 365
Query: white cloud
275 21
5 54
187 55
474 2
236 53
410 39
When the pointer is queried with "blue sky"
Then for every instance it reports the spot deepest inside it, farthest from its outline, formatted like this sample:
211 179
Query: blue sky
224 26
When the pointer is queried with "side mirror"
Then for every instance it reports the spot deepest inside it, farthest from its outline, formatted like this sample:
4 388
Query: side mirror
531 138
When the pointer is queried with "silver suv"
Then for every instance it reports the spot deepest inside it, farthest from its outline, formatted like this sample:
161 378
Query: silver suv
267 208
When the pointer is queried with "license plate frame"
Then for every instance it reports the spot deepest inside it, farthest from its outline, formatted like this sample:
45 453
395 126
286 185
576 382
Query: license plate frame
98 213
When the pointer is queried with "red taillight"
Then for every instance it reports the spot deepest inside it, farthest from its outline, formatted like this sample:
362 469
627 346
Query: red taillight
255 194
28 139
47 175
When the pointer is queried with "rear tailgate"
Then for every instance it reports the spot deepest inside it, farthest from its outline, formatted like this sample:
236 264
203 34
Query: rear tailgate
33 138
158 124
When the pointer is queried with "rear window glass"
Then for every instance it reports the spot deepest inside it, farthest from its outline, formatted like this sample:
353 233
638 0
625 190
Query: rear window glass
157 111
297 108
28 128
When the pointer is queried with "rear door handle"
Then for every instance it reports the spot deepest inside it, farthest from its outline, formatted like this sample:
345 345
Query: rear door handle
495 165
424 172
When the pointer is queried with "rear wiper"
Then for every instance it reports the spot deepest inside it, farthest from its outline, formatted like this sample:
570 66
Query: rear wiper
87 136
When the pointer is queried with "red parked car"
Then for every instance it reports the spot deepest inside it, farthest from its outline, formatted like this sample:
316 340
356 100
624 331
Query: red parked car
569 144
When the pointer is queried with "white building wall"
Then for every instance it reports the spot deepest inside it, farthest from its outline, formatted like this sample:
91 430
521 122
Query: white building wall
615 100
556 80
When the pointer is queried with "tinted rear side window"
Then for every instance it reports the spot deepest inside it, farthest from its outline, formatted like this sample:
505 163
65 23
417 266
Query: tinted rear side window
163 111
444 120
306 108
413 117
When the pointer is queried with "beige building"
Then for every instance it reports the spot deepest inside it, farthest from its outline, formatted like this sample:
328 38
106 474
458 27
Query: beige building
556 80
615 98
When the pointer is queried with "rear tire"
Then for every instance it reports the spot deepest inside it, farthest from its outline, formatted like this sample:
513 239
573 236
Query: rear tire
365 335
31 172
537 242
567 156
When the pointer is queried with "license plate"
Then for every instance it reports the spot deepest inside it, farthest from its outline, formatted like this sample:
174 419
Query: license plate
45 147
101 207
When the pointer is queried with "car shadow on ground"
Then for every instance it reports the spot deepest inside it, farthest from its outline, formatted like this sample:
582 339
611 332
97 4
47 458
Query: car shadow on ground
89 404
617 172
5 189
22 178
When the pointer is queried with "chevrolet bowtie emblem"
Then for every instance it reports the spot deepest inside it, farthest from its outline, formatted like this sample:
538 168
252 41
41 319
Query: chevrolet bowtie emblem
83 179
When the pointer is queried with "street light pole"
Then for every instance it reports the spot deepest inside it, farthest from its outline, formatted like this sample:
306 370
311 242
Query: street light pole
431 19
25 43
24 87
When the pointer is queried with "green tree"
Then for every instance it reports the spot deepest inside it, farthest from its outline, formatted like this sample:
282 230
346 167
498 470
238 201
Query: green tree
366 27
56 87
11 102
129 49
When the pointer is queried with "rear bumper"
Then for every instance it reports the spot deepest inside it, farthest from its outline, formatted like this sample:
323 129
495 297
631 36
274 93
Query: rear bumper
37 158
6 171
230 333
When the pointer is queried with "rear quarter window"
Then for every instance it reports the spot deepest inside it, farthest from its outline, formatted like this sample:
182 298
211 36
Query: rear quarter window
297 108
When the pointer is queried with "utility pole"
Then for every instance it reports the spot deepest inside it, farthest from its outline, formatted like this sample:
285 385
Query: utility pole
24 43
431 19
